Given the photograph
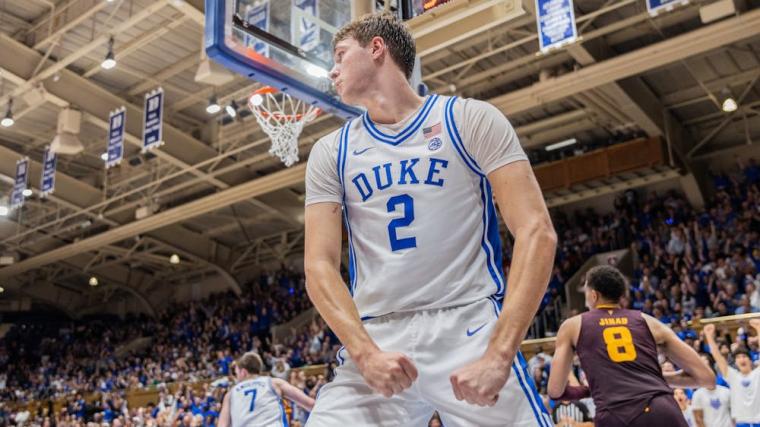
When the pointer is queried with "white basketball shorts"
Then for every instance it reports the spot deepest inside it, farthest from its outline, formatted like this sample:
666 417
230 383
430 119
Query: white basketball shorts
438 342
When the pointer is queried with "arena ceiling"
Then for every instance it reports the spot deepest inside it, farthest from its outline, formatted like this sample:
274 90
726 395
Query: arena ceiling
217 198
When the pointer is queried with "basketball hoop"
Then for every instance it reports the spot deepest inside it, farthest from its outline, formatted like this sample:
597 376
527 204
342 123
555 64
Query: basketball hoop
282 117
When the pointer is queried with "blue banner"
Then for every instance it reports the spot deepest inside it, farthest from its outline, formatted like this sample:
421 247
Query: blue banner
258 16
305 31
656 6
153 117
117 120
47 181
556 23
19 184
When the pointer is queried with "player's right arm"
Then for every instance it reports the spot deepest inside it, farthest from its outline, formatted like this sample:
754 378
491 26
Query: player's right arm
721 361
385 372
563 357
288 391
224 416
694 372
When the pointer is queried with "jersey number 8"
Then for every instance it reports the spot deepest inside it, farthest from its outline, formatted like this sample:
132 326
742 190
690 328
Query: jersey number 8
619 343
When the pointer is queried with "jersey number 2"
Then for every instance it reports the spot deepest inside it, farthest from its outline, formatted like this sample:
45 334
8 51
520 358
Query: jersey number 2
253 398
619 342
408 205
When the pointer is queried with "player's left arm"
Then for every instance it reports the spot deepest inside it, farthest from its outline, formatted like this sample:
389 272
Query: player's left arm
694 372
224 416
288 391
562 361
497 151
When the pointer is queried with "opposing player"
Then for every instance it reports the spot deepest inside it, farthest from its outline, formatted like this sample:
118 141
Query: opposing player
420 316
617 349
744 382
256 400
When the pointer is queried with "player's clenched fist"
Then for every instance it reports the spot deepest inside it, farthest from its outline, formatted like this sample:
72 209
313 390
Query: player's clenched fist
479 382
387 373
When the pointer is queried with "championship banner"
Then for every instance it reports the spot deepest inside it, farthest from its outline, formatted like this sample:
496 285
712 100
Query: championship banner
556 23
47 181
117 120
656 6
304 30
153 117
20 183
258 16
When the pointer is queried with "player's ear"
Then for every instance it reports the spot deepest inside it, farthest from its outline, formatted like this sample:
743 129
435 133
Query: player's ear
377 47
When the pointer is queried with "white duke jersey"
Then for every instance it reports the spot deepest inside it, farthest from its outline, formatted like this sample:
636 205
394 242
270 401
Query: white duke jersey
745 395
419 212
254 402
715 406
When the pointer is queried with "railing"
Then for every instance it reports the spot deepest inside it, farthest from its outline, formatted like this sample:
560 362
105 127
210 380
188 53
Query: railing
602 163
547 321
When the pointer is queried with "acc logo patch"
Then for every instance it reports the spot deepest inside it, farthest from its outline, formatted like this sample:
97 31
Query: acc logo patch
435 144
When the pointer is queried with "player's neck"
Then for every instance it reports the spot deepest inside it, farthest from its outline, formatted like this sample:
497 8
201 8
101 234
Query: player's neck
606 306
391 101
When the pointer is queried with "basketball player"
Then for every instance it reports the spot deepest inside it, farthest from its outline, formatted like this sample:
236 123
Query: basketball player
256 400
415 180
617 349
744 382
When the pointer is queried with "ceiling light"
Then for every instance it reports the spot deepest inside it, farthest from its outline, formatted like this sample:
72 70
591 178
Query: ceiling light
93 281
110 61
4 210
27 192
561 144
8 119
174 259
727 102
729 105
213 105
2 289
231 109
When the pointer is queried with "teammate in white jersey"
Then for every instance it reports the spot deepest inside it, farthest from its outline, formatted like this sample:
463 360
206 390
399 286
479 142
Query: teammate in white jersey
256 400
412 180
744 382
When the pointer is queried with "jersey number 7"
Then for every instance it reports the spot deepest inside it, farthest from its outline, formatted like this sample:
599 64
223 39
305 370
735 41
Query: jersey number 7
253 398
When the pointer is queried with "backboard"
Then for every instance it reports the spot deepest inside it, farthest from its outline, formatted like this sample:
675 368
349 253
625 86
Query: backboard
285 44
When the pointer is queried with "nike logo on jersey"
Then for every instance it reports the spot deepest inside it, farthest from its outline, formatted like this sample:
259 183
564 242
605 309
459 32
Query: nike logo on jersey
475 331
359 152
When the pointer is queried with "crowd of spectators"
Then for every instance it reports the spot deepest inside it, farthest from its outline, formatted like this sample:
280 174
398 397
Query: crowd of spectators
692 263
187 342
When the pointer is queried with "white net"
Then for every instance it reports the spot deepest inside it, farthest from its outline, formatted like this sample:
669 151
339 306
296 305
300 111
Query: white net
282 117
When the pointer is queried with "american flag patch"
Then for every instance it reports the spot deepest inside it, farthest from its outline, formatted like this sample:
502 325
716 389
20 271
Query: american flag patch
431 131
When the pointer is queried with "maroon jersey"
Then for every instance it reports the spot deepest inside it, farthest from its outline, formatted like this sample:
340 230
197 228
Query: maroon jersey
619 356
